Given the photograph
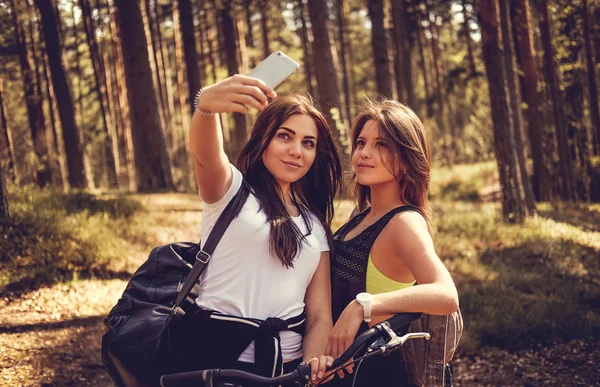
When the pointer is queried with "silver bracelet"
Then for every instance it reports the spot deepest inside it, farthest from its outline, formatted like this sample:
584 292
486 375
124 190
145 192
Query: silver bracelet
197 101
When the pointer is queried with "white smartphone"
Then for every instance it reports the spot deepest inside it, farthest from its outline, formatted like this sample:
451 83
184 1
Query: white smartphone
274 69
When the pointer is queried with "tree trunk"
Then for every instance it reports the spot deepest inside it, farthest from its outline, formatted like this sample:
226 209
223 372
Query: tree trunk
150 151
342 28
4 210
399 35
573 77
565 163
241 39
404 40
522 20
239 136
428 98
61 179
124 137
153 49
263 5
326 72
381 57
591 73
513 205
467 32
305 47
211 51
6 144
38 56
33 99
71 136
188 57
248 14
186 23
100 87
510 64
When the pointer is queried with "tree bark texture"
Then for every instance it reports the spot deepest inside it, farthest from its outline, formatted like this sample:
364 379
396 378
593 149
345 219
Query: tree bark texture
71 136
513 205
149 145
383 76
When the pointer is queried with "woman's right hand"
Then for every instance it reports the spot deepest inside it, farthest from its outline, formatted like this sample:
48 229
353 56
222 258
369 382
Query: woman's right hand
235 94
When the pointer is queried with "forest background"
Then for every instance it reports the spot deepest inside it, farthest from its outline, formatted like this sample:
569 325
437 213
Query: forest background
95 103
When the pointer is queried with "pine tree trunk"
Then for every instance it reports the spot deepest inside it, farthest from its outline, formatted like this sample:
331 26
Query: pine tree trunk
510 64
35 111
513 205
305 47
591 74
399 36
467 32
522 21
150 150
6 145
239 135
100 88
263 5
38 56
342 28
248 14
59 158
72 139
383 76
241 39
125 140
4 209
149 30
326 73
574 78
186 23
185 47
428 99
565 163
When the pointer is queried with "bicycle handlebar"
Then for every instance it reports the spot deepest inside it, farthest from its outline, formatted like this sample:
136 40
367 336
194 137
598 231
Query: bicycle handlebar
233 376
302 373
395 323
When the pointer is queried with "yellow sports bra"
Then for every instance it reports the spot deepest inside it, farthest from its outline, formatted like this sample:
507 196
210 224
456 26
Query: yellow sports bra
377 282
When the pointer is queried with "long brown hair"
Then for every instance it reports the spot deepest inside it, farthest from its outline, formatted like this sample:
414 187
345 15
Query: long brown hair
314 192
409 153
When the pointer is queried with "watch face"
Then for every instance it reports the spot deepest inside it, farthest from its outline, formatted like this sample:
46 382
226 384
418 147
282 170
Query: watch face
363 297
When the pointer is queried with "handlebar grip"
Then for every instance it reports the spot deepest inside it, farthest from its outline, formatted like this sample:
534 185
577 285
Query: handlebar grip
192 378
366 338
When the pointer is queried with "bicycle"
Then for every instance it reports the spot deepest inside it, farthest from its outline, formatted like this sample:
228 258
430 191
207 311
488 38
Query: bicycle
381 339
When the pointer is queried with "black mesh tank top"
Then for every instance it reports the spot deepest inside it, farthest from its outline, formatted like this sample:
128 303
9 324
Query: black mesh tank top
350 259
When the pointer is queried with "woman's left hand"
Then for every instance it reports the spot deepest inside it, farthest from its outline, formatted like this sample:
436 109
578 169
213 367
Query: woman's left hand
344 330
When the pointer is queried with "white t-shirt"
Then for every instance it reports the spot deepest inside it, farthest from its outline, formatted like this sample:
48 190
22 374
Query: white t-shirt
244 279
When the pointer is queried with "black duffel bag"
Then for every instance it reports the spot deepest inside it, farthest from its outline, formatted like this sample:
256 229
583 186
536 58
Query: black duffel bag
141 339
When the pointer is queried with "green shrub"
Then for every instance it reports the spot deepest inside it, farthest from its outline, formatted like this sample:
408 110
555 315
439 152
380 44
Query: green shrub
53 237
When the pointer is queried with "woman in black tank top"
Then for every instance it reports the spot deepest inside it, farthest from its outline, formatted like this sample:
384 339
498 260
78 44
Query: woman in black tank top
391 161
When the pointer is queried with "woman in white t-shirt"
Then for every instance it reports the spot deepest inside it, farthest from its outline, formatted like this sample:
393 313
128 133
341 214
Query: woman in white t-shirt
265 301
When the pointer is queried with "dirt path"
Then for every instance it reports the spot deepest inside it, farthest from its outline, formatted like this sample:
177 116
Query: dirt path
51 337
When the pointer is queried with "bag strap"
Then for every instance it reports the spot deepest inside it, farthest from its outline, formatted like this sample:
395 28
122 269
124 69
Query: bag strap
229 213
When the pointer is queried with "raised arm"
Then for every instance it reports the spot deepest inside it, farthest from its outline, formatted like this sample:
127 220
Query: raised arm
237 94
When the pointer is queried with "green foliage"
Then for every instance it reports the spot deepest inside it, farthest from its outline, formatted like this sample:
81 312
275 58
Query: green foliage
58 237
518 284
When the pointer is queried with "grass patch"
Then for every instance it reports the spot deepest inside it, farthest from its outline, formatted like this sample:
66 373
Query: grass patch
54 237
463 182
521 283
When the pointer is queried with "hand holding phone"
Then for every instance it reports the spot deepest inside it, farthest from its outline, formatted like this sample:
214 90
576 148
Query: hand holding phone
275 69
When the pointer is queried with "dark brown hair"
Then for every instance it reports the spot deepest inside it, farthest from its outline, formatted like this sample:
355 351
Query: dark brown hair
314 192
409 153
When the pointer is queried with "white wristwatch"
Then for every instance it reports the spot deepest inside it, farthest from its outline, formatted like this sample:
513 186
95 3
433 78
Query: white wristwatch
364 299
